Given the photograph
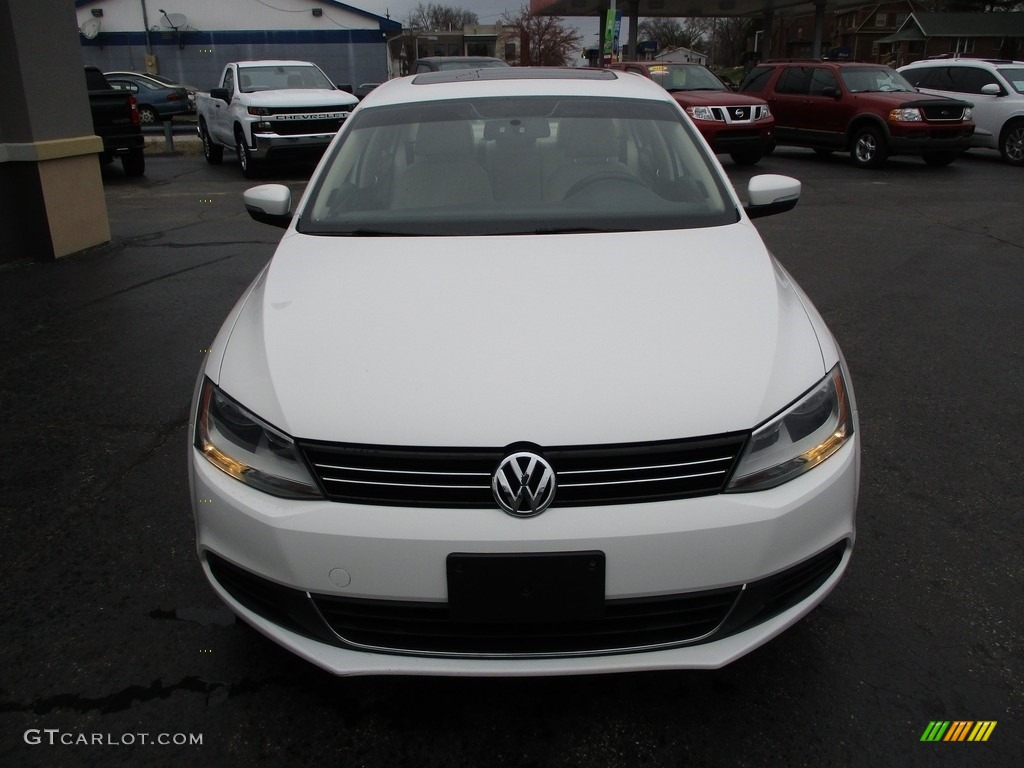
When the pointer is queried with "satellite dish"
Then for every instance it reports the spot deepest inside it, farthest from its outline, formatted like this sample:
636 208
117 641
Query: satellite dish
90 28
175 21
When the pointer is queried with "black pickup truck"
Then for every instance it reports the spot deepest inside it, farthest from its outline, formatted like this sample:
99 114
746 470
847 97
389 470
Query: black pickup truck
115 119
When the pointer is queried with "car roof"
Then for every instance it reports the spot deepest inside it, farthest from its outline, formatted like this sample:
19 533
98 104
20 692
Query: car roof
942 62
275 63
823 63
460 58
516 81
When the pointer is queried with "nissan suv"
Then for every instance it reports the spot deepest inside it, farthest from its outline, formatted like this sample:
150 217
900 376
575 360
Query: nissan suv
995 86
869 110
734 124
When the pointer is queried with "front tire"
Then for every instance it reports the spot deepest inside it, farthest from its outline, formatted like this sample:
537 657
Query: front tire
1011 143
750 157
868 149
214 153
245 160
134 163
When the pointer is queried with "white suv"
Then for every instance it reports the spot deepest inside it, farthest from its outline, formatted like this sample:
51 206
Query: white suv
995 86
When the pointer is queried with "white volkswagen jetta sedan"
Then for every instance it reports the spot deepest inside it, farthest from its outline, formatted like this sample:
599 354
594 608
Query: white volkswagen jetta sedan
522 392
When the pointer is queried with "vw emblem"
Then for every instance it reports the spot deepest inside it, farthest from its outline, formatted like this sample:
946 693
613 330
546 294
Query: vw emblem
523 484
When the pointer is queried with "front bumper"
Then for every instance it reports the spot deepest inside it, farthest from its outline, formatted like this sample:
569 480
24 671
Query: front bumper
926 138
749 139
272 144
281 565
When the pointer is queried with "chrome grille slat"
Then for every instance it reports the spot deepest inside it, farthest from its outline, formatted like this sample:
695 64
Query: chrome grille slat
655 466
624 473
642 480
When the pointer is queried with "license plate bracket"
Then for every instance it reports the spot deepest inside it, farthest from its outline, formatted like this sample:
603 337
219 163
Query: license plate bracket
526 587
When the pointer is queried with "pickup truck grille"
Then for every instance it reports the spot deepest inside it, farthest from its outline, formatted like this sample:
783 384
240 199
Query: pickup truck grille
586 475
303 127
299 121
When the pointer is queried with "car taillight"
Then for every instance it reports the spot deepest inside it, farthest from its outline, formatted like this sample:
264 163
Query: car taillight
133 104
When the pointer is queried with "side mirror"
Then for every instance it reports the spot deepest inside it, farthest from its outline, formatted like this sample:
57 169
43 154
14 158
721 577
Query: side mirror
992 89
770 193
221 93
269 204
831 91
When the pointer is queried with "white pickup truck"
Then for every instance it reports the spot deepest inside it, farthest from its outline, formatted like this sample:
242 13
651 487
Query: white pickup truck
270 109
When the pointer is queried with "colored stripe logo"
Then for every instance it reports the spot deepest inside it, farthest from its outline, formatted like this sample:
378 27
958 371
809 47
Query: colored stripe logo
958 730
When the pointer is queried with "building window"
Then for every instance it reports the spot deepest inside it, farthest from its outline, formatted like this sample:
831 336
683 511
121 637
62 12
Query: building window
880 19
962 45
510 52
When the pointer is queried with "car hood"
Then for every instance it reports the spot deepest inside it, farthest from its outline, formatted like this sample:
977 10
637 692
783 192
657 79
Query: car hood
715 99
905 99
555 340
301 97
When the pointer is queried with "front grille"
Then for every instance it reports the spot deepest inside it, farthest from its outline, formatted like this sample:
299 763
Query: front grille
733 114
627 624
426 628
303 127
586 475
938 114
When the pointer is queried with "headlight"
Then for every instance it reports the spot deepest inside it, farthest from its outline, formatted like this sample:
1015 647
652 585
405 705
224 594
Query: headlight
968 113
763 113
905 115
700 113
259 111
238 443
799 438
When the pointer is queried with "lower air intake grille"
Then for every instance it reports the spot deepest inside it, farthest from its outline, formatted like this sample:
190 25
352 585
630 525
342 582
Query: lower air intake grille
426 628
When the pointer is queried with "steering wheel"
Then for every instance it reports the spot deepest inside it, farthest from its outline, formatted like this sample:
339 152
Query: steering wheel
600 178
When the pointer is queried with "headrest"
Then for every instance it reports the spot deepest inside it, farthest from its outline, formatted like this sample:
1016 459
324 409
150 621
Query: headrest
588 137
445 139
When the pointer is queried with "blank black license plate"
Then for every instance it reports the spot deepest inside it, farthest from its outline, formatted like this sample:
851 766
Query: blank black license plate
534 587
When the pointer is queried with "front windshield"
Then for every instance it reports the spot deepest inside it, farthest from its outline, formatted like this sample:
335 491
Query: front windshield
874 79
1014 76
685 77
281 77
516 165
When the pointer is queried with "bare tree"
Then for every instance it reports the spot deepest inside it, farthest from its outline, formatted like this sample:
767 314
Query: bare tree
667 33
730 40
544 40
440 17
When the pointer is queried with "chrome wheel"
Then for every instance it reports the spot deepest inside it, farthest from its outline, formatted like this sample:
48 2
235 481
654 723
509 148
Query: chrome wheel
868 149
1012 145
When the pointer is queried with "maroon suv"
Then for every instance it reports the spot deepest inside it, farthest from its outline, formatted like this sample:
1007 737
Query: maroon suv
869 110
739 126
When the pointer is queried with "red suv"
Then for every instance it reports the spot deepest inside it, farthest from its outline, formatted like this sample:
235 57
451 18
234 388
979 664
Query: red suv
869 110
739 126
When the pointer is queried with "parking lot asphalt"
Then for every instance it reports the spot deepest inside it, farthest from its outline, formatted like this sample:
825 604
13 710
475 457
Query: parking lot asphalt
109 630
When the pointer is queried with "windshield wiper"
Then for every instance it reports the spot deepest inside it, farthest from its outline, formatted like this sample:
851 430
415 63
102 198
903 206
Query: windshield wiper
577 230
